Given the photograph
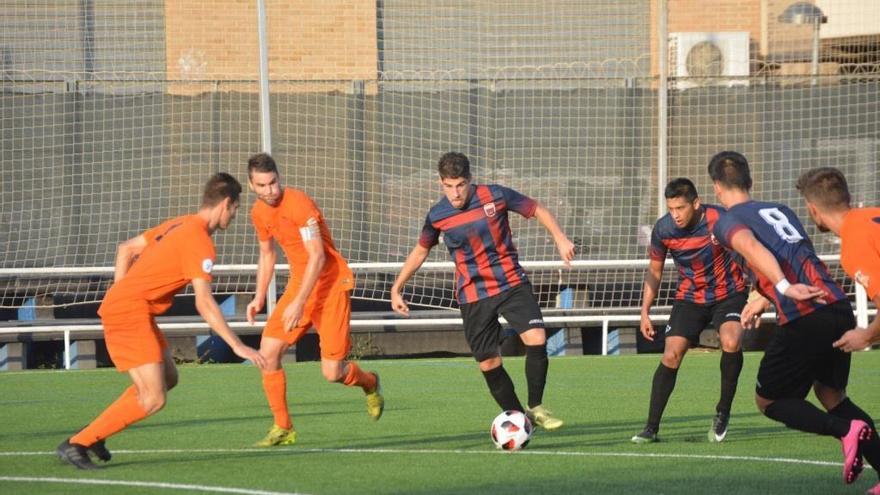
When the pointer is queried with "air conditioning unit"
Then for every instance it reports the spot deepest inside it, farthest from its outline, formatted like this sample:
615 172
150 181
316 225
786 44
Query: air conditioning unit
704 59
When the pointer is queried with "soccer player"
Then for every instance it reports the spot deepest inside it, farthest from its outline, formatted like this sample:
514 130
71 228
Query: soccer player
800 354
150 269
828 201
317 294
488 277
711 290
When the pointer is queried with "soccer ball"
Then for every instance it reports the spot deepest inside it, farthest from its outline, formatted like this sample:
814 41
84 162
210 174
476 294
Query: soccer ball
511 430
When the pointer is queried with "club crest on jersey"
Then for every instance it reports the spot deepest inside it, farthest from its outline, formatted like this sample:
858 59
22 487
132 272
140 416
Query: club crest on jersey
207 265
862 279
489 209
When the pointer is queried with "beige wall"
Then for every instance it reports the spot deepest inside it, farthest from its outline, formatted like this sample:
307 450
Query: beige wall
308 39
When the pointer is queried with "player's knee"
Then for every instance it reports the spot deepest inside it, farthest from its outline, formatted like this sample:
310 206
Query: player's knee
762 404
672 358
152 401
333 375
488 361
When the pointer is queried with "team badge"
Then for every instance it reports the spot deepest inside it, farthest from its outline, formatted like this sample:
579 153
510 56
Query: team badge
489 209
713 239
862 279
207 265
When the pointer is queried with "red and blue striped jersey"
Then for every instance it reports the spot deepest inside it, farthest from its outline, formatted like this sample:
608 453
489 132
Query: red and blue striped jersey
479 240
777 227
707 272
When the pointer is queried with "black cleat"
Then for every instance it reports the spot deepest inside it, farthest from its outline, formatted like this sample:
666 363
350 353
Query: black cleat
648 435
100 451
719 427
75 454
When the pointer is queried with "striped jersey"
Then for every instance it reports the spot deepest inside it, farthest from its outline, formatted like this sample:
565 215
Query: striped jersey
706 270
777 227
479 240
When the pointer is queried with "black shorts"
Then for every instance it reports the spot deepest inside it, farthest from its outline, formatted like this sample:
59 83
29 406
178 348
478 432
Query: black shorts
801 353
481 328
688 319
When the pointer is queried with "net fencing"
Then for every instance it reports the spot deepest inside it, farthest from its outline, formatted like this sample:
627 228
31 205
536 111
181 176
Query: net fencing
113 114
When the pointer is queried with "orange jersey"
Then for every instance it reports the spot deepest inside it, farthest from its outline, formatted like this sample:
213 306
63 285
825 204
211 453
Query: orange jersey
860 248
295 218
177 251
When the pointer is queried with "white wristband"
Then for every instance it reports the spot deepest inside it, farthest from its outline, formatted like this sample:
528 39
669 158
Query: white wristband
782 286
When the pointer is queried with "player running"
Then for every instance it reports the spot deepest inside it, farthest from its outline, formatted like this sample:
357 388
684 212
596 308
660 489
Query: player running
488 277
828 201
711 290
318 294
150 269
800 354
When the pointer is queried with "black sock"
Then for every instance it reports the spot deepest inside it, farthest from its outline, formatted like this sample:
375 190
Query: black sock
870 449
661 389
731 366
536 372
501 388
801 415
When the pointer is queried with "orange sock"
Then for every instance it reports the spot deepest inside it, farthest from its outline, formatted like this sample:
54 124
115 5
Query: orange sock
275 386
356 377
125 411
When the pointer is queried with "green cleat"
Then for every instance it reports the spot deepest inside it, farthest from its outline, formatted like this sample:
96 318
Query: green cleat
542 417
375 400
277 436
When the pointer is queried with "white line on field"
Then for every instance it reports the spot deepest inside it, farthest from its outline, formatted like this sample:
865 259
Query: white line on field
143 484
782 460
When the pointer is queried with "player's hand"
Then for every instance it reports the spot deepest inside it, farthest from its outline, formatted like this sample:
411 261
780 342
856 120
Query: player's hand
856 339
750 317
566 250
251 355
647 328
802 292
252 309
292 315
398 304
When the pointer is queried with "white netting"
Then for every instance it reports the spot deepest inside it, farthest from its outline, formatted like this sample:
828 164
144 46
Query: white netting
112 114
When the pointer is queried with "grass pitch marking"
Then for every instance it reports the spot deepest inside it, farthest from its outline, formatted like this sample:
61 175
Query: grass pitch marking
143 484
294 451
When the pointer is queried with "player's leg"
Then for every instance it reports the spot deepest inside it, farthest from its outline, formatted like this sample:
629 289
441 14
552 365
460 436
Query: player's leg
520 308
686 322
483 333
727 320
830 389
332 317
788 371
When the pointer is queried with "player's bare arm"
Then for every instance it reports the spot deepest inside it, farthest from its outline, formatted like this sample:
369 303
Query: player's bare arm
126 253
750 317
413 261
653 276
563 244
745 243
207 307
265 270
858 339
293 313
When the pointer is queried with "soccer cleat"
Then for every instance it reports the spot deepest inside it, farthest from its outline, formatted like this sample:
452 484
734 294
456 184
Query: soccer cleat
277 436
542 417
648 435
375 400
874 491
75 454
100 450
719 427
852 456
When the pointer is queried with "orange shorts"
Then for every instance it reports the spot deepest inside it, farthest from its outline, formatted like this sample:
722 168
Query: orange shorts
133 340
330 315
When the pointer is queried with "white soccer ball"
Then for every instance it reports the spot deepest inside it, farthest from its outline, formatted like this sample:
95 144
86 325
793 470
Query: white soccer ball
511 430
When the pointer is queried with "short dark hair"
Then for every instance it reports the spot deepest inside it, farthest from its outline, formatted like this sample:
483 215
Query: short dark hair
453 165
825 187
219 187
731 170
681 187
263 163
